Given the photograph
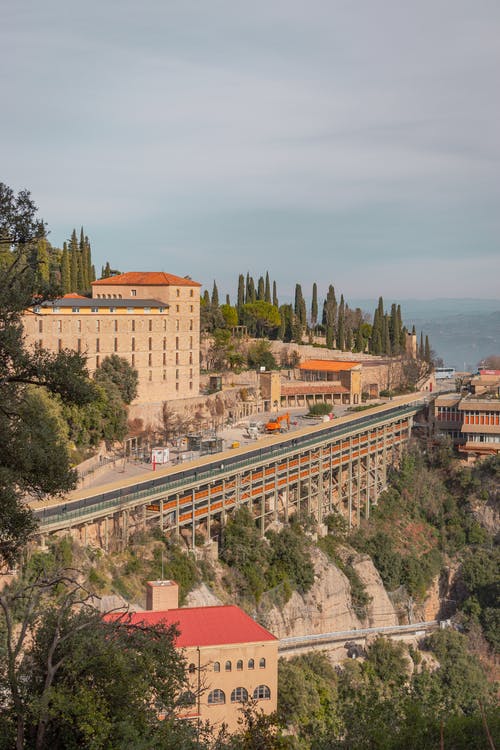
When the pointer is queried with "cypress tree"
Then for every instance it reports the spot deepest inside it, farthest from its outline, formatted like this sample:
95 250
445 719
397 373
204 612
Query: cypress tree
73 261
314 305
394 330
240 298
341 325
330 317
206 298
251 295
65 271
85 264
267 292
421 351
42 262
427 350
387 337
261 293
275 295
228 301
92 272
215 296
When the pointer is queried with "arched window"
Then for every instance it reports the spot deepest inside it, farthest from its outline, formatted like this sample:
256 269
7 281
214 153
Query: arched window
239 695
216 666
187 699
228 666
262 693
216 697
251 664
239 665
262 663
192 668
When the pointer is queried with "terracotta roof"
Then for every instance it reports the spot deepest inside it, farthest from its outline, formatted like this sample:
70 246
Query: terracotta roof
74 295
303 389
146 278
327 365
206 626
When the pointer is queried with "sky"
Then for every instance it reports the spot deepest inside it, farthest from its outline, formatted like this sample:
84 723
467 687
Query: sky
351 142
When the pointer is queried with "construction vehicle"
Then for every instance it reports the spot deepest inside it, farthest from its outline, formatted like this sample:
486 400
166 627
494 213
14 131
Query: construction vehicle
277 424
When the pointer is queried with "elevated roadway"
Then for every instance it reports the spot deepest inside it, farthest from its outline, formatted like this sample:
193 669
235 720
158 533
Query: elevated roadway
338 465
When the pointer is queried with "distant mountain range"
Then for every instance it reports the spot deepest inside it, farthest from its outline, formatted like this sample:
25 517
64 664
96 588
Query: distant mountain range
461 331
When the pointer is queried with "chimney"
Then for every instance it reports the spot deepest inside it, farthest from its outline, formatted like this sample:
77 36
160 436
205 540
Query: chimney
162 595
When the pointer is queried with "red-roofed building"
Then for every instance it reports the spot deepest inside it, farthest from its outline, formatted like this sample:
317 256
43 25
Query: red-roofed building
151 319
230 657
328 380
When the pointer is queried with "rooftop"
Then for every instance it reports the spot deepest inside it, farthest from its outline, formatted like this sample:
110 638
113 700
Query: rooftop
206 626
146 278
77 301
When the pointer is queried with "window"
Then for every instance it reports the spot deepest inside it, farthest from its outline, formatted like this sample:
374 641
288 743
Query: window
177 374
190 358
56 309
133 292
177 292
190 325
228 666
59 326
164 374
177 358
177 342
191 293
133 360
164 344
190 386
133 326
239 665
78 325
251 664
262 663
262 693
216 697
133 343
161 309
147 309
112 309
116 345
97 344
130 309
94 309
177 308
150 325
79 344
190 308
164 358
176 325
164 325
177 386
116 326
192 668
98 325
75 309
37 309
150 375
150 344
97 361
150 360
40 326
239 695
216 666
59 345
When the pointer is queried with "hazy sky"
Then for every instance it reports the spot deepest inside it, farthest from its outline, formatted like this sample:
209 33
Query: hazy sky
350 142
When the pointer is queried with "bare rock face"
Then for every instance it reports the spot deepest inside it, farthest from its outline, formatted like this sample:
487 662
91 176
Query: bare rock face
327 607
201 596
380 612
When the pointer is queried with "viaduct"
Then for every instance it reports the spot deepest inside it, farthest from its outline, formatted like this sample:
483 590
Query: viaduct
340 465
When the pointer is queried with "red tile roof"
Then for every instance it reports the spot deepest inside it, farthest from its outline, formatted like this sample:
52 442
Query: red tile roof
146 278
74 295
206 626
327 365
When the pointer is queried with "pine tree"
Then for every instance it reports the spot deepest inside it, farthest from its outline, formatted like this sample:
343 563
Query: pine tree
314 306
275 295
65 271
215 296
267 292
261 293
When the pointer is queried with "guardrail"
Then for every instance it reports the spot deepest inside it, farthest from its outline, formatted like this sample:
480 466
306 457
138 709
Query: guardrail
286 644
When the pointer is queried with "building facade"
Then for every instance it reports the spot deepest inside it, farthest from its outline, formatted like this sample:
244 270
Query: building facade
151 319
230 658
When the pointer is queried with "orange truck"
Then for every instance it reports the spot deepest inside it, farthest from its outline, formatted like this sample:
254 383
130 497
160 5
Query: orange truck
277 424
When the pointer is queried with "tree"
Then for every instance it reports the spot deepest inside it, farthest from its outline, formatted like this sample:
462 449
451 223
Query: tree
118 370
267 291
215 296
23 431
261 318
240 297
314 305
275 295
71 679
19 224
260 355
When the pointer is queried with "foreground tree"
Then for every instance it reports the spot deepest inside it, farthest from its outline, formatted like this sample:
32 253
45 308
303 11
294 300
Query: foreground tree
26 465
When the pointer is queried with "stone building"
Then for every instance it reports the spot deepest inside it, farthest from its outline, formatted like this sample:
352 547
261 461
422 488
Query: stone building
152 319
